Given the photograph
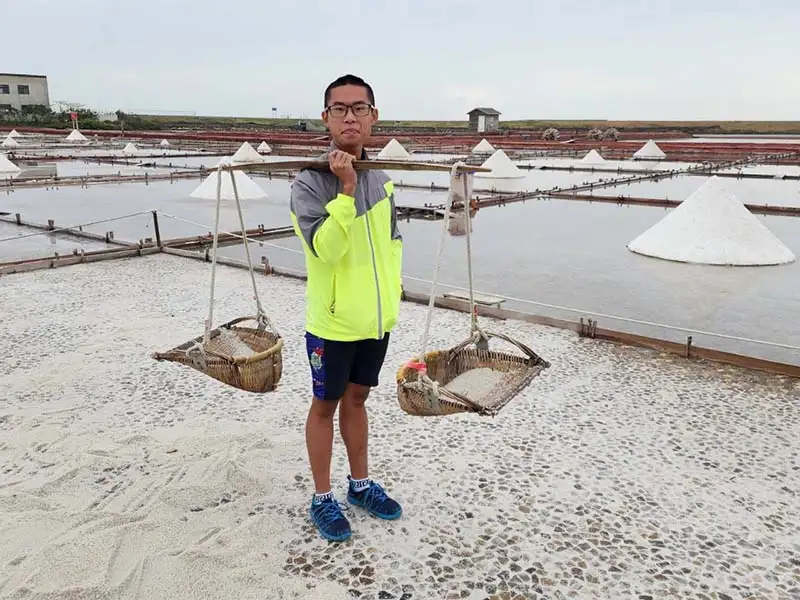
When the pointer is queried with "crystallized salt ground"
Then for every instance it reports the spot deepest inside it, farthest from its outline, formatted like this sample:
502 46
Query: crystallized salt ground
126 477
227 341
476 384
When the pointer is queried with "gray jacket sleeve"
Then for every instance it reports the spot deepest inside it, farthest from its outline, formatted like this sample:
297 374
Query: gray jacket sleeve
322 216
307 206
395 230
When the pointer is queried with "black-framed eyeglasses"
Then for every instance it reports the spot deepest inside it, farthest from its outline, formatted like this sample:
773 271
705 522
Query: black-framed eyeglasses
360 109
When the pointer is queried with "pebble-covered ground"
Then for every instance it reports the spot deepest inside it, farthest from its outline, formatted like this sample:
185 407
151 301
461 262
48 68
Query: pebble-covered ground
619 473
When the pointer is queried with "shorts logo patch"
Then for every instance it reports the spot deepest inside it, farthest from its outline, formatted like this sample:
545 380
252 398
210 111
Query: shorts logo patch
315 357
315 348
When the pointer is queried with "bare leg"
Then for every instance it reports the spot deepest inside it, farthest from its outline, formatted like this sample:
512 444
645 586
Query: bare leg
319 442
354 426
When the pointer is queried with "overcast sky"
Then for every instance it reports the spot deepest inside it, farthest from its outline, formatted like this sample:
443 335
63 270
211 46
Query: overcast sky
434 59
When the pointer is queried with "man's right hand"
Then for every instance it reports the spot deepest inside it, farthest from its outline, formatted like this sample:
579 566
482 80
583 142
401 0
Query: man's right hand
341 164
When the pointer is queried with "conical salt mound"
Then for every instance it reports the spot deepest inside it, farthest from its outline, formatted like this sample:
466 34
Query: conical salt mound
14 134
10 142
130 148
593 156
712 227
164 143
246 187
264 147
393 150
501 167
247 154
483 147
76 136
6 166
650 151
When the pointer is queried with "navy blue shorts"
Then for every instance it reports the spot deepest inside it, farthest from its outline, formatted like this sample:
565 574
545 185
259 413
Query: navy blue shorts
334 364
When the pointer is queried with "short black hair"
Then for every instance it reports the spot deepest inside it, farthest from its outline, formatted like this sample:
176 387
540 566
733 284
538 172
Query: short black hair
348 80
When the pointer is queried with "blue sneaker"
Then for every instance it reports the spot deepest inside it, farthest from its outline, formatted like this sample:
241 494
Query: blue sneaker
328 518
375 501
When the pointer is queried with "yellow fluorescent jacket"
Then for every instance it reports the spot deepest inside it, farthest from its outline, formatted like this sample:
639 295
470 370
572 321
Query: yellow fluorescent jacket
354 254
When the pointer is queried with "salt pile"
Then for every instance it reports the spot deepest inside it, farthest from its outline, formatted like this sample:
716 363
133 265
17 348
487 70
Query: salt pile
476 384
227 342
483 147
650 151
164 143
247 154
14 134
501 167
10 142
76 136
712 227
6 166
264 147
130 148
593 156
246 187
393 150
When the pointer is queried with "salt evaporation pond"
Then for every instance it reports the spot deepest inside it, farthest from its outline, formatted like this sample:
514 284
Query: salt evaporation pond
724 139
573 255
71 205
564 253
80 168
26 246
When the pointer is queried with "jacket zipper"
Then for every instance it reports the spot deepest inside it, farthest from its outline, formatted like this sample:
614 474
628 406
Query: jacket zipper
375 272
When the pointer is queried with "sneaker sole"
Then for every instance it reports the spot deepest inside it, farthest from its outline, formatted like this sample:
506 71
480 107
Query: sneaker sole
331 538
378 515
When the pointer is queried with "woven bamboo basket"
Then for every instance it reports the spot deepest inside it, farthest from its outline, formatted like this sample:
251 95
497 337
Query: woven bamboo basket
443 366
259 372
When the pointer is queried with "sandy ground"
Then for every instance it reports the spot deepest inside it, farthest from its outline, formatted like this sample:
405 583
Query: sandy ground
617 474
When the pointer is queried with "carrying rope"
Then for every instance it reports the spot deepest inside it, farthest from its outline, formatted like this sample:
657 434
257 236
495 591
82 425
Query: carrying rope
479 336
214 258
261 316
424 383
439 252
476 332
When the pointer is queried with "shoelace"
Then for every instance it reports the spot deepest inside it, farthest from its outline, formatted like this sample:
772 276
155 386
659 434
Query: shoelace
330 512
375 495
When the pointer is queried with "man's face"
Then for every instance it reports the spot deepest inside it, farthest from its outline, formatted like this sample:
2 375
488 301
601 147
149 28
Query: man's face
354 127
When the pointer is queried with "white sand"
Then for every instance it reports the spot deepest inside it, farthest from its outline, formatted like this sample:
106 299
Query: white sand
125 477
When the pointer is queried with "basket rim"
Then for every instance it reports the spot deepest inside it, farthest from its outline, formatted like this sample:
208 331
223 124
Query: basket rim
234 360
525 362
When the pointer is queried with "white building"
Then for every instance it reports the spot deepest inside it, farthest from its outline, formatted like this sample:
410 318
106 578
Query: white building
18 90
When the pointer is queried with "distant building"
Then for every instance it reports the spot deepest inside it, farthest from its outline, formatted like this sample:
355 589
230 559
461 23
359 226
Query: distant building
107 115
484 119
18 90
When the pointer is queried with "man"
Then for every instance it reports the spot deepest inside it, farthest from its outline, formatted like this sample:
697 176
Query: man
348 227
